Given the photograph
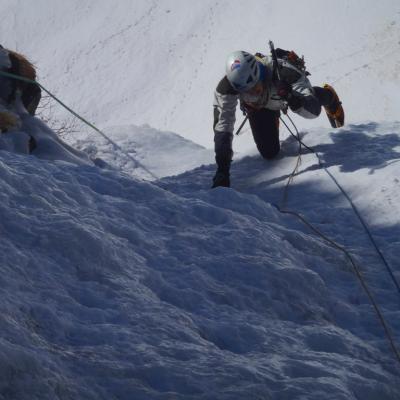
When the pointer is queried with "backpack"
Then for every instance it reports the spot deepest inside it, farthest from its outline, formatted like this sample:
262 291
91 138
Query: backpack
292 58
30 93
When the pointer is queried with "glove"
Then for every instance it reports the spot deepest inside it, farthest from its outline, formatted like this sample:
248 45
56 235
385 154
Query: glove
283 89
295 102
221 178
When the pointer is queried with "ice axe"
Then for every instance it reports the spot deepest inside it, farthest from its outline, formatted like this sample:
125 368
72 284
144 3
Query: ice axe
276 68
241 125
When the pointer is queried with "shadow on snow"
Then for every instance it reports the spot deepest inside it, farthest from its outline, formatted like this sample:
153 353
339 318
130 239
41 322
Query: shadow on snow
359 146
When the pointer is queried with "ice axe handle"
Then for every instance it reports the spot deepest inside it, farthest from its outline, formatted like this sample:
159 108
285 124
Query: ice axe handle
274 59
241 125
276 68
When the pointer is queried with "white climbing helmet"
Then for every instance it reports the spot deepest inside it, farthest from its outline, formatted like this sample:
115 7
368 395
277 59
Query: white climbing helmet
242 70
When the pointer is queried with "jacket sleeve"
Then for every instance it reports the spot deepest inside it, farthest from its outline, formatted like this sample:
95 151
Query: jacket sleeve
304 102
225 102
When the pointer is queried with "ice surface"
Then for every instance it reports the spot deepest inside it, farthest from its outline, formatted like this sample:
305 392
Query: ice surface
118 288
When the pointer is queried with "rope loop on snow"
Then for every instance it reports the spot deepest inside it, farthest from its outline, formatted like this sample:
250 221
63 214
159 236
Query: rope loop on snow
75 114
332 242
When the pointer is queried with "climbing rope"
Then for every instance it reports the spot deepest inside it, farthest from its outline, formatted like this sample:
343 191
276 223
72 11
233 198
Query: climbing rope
345 194
115 145
330 241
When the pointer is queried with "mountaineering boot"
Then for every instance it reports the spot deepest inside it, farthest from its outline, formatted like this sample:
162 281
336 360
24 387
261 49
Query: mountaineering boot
334 110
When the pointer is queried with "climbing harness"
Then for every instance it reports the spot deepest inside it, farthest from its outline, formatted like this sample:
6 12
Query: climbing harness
114 144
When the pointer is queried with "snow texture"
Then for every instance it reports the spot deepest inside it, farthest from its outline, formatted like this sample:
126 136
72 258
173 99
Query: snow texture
115 287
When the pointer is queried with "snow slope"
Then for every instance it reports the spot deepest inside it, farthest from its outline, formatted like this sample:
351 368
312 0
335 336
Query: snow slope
114 288
158 62
117 288
146 152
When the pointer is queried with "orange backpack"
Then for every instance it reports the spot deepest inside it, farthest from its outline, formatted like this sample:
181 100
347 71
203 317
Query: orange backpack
30 93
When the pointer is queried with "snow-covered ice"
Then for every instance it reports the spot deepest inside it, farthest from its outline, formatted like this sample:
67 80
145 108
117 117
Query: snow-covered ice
124 277
117 288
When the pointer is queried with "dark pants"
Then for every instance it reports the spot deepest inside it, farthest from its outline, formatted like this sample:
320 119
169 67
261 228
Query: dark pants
265 128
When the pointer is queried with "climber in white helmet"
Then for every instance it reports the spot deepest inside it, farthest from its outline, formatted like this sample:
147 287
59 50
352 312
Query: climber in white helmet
263 90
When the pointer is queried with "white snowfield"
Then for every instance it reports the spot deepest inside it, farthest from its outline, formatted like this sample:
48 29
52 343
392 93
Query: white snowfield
123 276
